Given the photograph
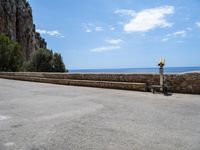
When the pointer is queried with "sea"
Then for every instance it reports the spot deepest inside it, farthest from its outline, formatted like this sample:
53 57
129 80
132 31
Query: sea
138 70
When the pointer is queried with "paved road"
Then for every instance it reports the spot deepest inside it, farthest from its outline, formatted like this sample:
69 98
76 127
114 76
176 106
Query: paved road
37 116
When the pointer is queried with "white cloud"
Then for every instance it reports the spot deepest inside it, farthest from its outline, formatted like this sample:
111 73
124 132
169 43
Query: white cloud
149 19
88 30
179 33
198 24
98 29
103 49
113 45
165 39
114 41
112 28
88 27
125 12
54 33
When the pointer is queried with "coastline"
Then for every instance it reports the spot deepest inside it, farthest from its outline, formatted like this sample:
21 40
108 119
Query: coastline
155 70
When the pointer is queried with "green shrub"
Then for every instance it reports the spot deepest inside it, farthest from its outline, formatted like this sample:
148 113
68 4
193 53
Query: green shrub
58 65
43 60
11 56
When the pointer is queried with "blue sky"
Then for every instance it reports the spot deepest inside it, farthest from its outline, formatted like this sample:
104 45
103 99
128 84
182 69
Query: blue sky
95 34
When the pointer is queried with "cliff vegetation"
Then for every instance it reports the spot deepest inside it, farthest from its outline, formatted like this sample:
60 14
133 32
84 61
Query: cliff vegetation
21 47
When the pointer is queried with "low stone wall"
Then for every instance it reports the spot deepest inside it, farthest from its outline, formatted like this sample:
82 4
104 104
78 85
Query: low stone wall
179 83
138 78
184 83
88 83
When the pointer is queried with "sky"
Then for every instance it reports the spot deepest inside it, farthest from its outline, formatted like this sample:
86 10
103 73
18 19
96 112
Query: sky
98 34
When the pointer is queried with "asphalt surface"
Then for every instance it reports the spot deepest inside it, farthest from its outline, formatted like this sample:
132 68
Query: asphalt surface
37 116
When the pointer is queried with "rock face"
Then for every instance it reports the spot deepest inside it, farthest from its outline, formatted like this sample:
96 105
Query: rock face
16 22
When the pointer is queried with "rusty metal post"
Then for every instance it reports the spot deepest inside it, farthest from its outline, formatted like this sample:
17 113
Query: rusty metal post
161 72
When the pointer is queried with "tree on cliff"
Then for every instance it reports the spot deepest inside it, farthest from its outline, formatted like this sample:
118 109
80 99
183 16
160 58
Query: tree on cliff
58 65
16 21
43 60
11 57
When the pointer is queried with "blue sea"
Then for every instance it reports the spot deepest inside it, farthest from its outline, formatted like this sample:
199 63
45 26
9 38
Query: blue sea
139 70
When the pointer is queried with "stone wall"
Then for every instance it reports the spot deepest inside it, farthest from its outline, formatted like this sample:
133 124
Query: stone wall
179 83
184 83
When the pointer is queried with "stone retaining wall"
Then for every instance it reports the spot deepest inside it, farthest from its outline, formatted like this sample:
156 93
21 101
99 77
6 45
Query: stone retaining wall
179 83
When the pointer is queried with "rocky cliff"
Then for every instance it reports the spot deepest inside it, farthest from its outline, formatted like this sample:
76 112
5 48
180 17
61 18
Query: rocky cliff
16 21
